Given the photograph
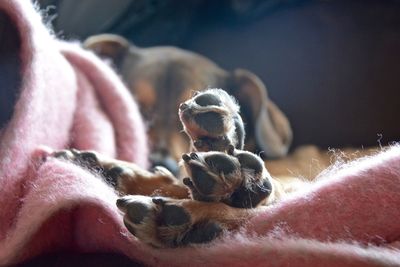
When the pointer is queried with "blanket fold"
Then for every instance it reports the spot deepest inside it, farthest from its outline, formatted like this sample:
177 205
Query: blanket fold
68 98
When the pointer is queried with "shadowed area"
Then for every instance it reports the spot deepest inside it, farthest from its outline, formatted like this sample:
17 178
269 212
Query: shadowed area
9 67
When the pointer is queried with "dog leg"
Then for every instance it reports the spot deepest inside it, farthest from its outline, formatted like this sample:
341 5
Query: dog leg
166 222
126 177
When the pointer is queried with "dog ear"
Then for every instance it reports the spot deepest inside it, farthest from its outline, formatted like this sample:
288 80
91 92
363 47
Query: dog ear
264 119
109 46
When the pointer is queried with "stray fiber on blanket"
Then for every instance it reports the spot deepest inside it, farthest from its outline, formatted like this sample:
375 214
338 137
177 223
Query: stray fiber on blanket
69 98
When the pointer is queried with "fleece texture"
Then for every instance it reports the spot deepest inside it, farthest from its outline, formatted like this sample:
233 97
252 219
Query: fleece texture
69 98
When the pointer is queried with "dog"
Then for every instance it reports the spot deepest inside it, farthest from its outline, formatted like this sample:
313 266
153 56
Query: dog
224 184
160 78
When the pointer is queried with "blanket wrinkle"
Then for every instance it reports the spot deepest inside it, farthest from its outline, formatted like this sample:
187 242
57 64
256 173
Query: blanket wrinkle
47 110
92 128
19 138
68 97
376 198
116 100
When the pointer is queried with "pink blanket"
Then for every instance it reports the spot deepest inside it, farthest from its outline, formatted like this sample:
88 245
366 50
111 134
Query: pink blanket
69 98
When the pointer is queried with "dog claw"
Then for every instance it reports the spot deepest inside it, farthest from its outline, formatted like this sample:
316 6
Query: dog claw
194 156
186 157
158 201
187 181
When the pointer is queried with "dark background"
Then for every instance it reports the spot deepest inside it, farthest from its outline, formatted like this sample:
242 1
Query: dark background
332 66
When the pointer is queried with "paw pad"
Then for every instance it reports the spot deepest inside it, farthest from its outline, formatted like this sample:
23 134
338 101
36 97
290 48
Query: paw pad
202 233
137 212
172 215
111 176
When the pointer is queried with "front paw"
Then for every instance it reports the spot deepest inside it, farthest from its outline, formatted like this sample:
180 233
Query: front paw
111 170
212 121
88 159
250 196
238 178
213 176
165 222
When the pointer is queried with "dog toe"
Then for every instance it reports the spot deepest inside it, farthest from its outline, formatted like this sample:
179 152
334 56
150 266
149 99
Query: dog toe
88 157
202 233
122 202
186 181
186 157
203 181
137 212
166 222
194 156
63 154
172 215
194 193
111 176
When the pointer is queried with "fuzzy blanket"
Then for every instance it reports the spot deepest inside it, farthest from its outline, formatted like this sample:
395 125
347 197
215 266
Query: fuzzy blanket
69 98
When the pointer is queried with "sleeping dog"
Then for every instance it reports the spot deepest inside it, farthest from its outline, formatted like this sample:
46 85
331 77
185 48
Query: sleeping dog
223 183
161 78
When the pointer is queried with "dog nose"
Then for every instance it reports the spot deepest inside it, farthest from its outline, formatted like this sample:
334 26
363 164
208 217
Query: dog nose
183 106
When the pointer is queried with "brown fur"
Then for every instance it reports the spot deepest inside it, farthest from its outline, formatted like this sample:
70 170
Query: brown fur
145 188
218 181
157 209
162 77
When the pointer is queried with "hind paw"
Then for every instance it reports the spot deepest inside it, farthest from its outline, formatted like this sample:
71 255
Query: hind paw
165 222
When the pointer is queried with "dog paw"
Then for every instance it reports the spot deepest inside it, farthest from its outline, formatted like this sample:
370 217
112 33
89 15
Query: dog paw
212 121
238 178
93 161
213 176
164 222
87 159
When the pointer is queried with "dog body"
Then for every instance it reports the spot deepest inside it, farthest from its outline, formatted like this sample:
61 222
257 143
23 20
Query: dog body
160 78
223 185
